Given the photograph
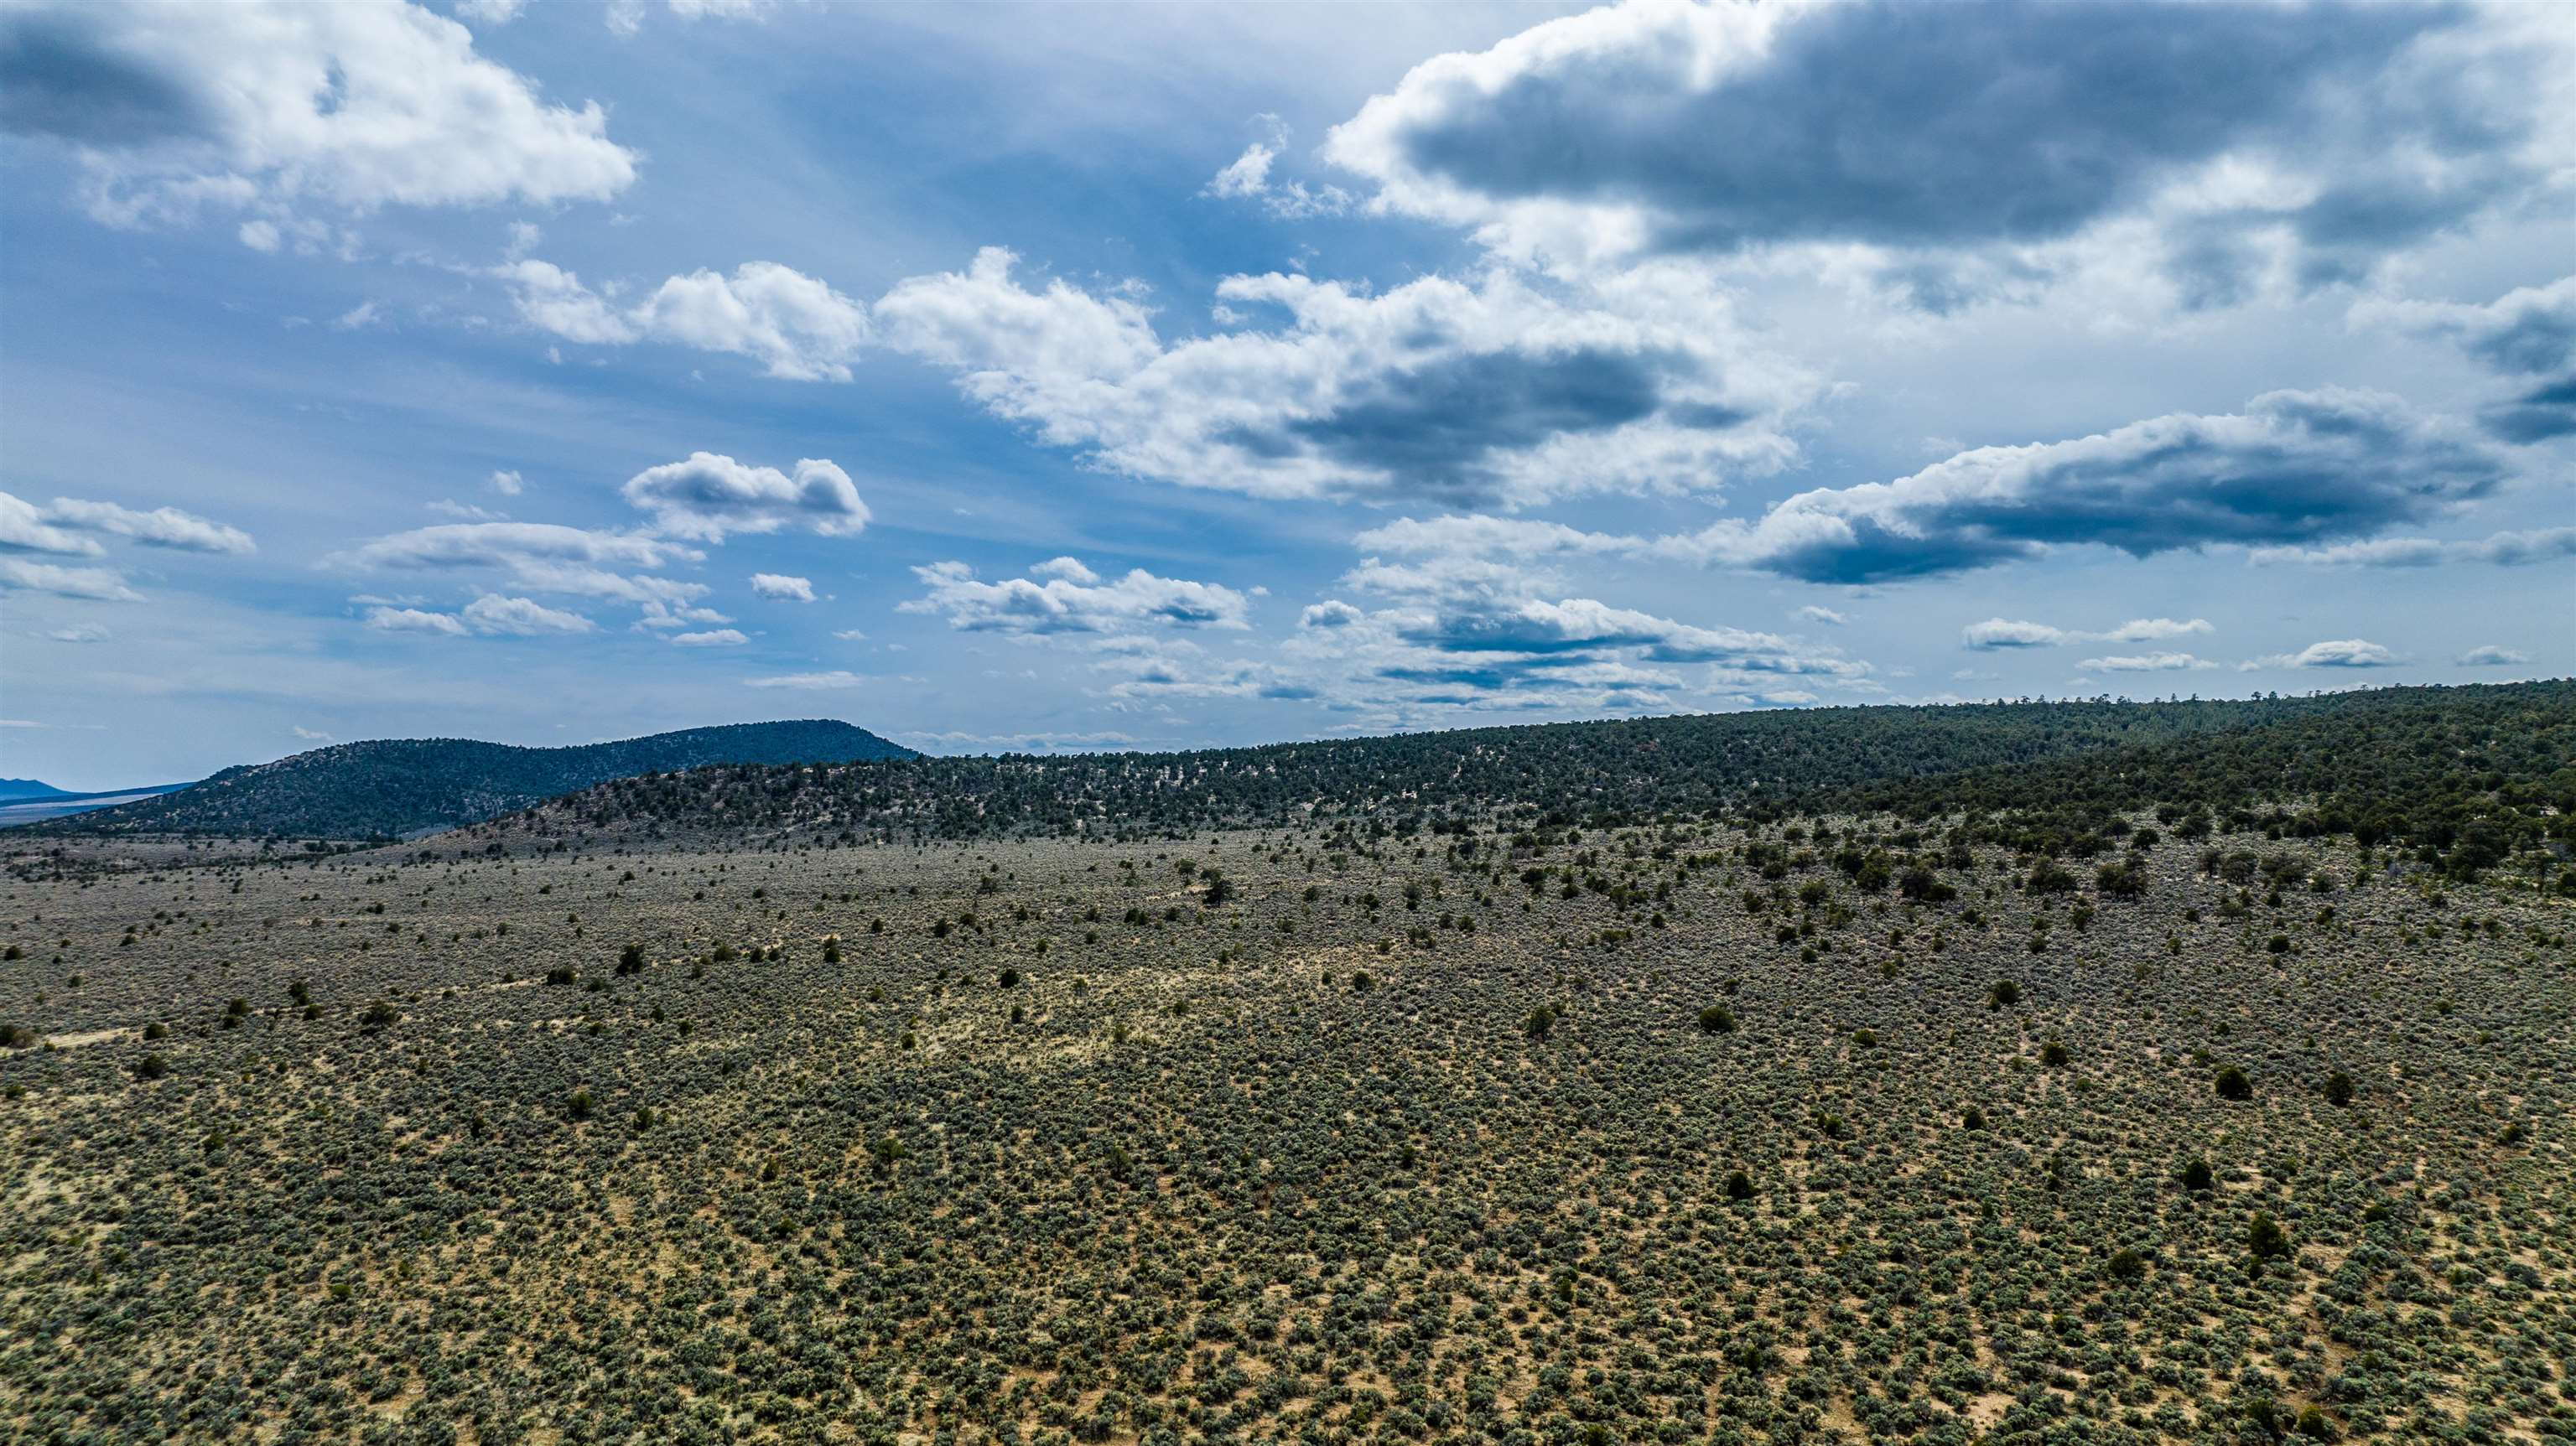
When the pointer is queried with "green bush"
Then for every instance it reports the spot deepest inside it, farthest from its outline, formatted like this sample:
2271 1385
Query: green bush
2265 1237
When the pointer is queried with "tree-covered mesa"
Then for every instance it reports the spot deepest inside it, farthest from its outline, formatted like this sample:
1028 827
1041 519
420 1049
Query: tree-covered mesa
2463 779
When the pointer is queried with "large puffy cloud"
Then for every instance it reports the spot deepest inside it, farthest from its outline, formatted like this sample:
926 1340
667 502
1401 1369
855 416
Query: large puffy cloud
1074 600
2504 549
2334 132
1492 390
2294 468
794 325
266 107
710 495
60 527
2292 471
1500 389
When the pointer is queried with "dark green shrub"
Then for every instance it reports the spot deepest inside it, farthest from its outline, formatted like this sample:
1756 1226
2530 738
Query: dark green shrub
2265 1237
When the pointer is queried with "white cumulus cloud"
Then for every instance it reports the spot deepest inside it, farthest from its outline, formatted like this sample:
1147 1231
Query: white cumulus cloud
778 587
275 108
2146 663
2335 653
1501 388
795 326
710 495
2490 655
1062 604
521 617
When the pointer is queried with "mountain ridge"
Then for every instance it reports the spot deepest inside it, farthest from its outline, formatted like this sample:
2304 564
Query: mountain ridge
391 788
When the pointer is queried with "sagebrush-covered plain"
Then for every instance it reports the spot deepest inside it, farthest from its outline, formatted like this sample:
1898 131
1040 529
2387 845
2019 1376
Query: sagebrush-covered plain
2049 1097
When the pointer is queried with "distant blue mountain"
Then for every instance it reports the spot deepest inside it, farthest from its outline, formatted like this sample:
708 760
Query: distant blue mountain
14 788
397 788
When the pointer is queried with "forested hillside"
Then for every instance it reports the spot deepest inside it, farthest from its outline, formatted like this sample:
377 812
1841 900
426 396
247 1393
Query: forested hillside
2418 766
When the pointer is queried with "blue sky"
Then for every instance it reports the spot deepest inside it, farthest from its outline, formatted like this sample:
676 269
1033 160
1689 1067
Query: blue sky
1099 376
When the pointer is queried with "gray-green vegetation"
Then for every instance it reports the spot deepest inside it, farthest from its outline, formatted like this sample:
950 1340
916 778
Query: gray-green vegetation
1490 1129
